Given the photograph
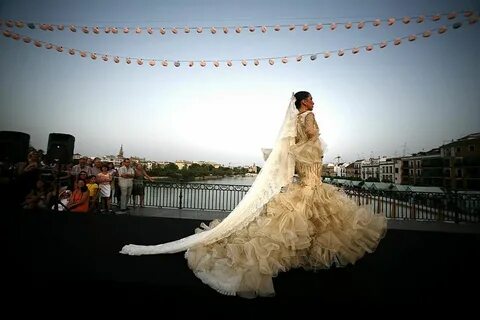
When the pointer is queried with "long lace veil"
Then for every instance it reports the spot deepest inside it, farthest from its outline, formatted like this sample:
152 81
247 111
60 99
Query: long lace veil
277 172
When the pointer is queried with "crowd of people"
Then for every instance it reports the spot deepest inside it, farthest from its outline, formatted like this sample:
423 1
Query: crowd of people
86 186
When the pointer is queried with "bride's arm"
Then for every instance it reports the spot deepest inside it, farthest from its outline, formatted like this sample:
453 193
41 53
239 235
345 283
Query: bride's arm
310 126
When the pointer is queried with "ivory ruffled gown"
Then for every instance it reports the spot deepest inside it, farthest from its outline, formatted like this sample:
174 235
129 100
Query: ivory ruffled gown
309 224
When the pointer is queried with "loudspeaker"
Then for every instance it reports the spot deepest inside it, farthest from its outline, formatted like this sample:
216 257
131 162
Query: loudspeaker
14 146
60 147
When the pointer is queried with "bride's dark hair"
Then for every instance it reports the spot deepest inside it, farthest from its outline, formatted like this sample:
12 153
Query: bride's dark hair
299 96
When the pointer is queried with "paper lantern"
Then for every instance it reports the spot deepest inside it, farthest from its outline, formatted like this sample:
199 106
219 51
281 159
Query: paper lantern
150 30
114 30
420 19
383 44
126 30
305 27
406 20
225 30
176 64
83 54
391 21
333 26
299 58
48 46
427 34
139 62
73 28
277 28
59 48
174 30
436 17
442 29
107 29
355 50
229 63
152 63
16 36
251 29
264 29
105 58
85 30
7 33
31 26
162 31
457 25
238 29
244 62
468 14
216 64
18 24
186 30
203 63
376 22
291 27
71 52
93 56
369 47
138 30
190 64
96 30
326 55
10 23
284 60
341 53
397 41
43 26
256 62
361 24
116 59
472 20
271 61
199 29
319 26
37 43
50 27
165 63
412 37
348 25
213 30
60 27
313 57
128 60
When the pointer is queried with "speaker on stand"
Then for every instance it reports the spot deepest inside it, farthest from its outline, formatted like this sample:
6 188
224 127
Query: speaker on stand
59 152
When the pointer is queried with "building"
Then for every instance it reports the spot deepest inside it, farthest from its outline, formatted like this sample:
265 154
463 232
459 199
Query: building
461 163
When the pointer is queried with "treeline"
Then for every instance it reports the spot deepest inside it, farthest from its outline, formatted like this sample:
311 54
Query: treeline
194 170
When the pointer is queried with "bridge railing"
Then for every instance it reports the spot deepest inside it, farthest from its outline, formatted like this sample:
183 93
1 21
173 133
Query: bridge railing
405 205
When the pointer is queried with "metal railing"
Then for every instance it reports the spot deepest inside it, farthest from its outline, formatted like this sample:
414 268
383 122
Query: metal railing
405 205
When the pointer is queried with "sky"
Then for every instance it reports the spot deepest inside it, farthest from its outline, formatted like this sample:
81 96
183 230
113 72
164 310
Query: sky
393 101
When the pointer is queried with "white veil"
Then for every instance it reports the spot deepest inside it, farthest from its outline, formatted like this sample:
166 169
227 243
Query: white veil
277 172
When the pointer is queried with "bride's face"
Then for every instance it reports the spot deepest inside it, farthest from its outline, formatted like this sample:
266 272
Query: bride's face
308 102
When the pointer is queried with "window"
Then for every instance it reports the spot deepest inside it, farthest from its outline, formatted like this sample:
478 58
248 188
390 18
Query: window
459 173
396 170
471 148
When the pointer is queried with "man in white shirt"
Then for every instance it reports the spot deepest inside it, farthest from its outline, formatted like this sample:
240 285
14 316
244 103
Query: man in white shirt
125 181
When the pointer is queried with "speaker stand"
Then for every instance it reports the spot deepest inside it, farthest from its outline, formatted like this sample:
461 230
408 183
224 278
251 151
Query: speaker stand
56 181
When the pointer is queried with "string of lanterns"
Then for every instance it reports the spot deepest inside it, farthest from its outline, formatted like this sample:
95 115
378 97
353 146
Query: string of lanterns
229 62
226 29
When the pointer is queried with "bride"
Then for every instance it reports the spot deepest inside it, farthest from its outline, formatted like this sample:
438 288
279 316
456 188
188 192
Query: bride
280 224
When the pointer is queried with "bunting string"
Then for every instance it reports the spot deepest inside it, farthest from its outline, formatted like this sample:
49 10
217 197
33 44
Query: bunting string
230 62
360 24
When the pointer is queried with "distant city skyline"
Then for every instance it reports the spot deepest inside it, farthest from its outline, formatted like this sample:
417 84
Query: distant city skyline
413 96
